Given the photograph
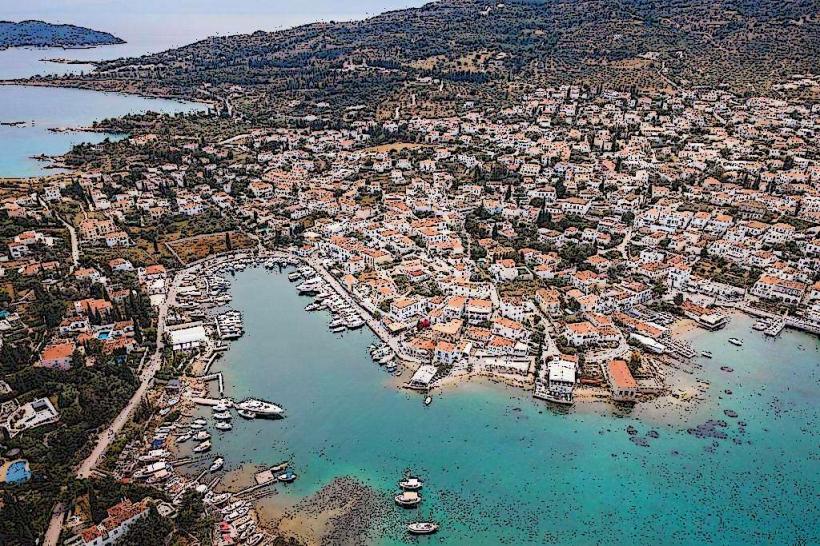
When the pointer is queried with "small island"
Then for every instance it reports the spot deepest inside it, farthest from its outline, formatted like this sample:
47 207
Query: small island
42 34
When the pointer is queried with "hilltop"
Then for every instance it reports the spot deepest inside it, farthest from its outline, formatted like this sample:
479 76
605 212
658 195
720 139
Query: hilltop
42 34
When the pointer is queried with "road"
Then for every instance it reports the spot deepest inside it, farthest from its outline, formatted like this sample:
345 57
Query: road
147 374
55 525
75 245
107 436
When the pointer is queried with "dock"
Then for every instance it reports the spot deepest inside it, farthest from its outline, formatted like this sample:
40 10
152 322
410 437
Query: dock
217 376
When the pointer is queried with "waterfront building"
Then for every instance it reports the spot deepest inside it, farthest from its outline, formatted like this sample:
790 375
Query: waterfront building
623 386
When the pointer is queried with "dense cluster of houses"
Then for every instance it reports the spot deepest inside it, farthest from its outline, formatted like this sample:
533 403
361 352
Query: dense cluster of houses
466 243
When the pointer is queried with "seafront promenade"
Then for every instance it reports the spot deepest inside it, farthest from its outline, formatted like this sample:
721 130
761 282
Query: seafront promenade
366 314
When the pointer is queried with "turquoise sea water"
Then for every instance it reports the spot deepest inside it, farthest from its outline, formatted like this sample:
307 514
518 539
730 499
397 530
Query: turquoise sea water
147 26
501 468
44 108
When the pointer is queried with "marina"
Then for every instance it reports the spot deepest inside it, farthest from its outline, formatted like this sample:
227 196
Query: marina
359 405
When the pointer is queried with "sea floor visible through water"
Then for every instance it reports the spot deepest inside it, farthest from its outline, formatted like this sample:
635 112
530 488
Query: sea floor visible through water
735 465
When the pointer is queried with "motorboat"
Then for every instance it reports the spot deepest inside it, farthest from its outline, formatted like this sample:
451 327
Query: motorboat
428 400
287 477
422 528
184 438
388 358
736 341
411 483
255 539
338 329
408 499
261 408
203 447
246 414
220 407
355 324
760 325
202 435
154 455
223 425
196 426
200 421
217 464
295 276
216 500
280 467
246 532
706 354
223 416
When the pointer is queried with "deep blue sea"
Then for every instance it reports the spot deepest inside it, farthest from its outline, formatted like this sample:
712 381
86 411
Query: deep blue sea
503 468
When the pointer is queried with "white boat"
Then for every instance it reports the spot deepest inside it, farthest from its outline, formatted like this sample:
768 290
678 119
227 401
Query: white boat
760 325
248 530
216 464
255 539
203 447
154 455
286 477
428 400
706 354
184 438
200 421
411 483
220 407
261 408
338 329
216 500
408 499
223 416
736 341
196 426
355 324
202 435
223 425
385 359
422 528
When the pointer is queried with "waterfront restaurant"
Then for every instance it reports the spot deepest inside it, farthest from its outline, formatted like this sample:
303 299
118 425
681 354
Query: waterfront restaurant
422 378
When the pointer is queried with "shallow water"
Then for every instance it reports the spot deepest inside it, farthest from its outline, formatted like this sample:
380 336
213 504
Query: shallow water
43 108
500 467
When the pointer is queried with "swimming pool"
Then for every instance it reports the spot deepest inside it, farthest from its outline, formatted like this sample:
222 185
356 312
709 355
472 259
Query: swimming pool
17 472
104 335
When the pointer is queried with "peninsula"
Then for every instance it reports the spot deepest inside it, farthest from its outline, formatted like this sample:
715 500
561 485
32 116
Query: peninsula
42 34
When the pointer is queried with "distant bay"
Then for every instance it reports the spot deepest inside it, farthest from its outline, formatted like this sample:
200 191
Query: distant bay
42 108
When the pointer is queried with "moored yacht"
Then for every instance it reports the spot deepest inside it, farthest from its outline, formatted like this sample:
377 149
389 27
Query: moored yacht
408 499
201 436
411 483
223 416
203 447
422 528
261 408
706 354
246 414
217 464
736 341
223 425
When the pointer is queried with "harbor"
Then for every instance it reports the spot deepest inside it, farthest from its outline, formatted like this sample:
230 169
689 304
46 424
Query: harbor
334 390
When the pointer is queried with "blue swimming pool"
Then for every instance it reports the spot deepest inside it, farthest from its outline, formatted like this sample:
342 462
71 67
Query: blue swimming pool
104 335
18 472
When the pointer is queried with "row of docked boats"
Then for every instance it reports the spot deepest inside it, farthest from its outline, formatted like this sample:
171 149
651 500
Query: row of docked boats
343 315
411 498
383 355
230 325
